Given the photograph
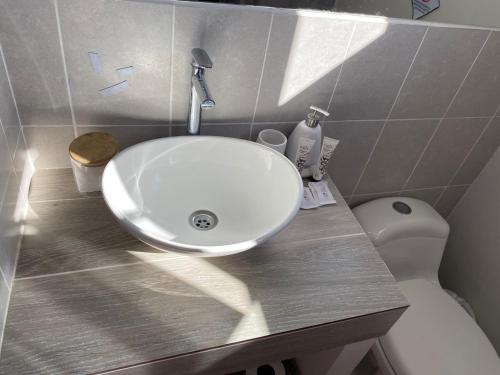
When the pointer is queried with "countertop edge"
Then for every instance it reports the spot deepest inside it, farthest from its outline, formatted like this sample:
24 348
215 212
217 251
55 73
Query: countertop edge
286 345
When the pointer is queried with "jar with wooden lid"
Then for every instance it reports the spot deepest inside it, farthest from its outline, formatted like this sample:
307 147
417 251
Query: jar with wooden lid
89 153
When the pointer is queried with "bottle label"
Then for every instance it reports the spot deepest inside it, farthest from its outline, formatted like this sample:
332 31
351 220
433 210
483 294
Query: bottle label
423 7
303 152
329 145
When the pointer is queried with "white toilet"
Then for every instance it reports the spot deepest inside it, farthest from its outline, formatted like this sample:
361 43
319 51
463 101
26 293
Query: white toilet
435 336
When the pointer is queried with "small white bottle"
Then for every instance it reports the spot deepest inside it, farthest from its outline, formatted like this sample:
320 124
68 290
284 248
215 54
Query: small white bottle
304 144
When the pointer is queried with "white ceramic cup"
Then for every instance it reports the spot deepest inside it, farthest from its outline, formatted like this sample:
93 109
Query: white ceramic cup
272 138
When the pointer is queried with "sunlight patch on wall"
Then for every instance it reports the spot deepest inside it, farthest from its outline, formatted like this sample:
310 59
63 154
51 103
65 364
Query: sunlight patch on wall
306 66
360 42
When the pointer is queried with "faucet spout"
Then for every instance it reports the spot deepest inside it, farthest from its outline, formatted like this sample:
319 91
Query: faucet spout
201 88
200 94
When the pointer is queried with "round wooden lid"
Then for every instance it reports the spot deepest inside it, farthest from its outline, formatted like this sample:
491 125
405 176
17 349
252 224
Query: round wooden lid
93 149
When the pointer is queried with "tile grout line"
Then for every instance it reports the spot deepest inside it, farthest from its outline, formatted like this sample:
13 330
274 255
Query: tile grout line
171 99
356 186
2 203
16 149
9 296
9 287
10 85
4 132
436 201
445 112
16 174
464 160
458 202
34 201
256 123
54 274
4 322
344 58
65 68
315 13
11 88
152 261
486 127
261 75
11 155
408 190
28 153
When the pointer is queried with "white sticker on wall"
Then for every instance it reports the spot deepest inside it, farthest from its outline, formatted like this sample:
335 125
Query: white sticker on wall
423 7
126 71
115 89
95 61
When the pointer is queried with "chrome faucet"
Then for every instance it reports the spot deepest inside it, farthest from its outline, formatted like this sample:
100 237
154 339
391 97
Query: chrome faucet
200 96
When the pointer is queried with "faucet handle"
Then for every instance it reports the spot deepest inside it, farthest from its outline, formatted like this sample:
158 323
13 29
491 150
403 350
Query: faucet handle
201 58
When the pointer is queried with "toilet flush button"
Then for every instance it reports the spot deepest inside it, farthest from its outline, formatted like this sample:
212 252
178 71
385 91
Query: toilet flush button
401 207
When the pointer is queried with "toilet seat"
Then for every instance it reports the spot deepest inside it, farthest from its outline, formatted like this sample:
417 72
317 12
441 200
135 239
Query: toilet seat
435 336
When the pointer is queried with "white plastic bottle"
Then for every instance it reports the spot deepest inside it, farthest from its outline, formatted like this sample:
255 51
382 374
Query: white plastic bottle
304 144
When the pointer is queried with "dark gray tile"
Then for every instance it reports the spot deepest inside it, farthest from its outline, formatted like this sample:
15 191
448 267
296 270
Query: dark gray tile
179 131
235 40
427 195
230 130
285 128
123 33
8 114
297 75
222 130
446 151
49 145
479 96
129 135
30 40
378 60
356 142
440 67
399 148
483 150
356 200
449 199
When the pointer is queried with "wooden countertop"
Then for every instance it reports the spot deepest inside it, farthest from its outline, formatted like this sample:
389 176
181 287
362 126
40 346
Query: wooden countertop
90 298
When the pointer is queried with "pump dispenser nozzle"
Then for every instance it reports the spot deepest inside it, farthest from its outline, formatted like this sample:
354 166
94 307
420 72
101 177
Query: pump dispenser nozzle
314 116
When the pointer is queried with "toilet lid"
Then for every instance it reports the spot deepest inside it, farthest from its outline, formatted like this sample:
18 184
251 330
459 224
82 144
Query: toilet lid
436 336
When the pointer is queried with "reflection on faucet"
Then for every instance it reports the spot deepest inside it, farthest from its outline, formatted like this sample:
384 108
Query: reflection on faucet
200 96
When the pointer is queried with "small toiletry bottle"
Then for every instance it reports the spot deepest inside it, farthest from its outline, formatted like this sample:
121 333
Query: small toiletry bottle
304 144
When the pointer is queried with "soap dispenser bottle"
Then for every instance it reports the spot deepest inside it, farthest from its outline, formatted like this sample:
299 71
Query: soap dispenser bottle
304 144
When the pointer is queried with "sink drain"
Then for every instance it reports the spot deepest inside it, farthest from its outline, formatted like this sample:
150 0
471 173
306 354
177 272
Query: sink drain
203 220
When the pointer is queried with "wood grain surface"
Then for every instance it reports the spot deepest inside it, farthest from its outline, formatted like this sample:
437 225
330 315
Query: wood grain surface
90 298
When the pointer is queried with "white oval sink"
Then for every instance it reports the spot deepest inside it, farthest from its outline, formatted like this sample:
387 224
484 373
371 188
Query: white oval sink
203 195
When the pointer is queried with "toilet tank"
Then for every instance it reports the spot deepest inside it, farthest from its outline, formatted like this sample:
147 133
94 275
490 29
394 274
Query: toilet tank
408 233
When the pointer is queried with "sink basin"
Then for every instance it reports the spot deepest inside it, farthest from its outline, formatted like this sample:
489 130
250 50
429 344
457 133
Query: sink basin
208 196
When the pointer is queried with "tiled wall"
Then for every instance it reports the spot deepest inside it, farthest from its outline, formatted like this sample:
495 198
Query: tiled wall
12 202
414 105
